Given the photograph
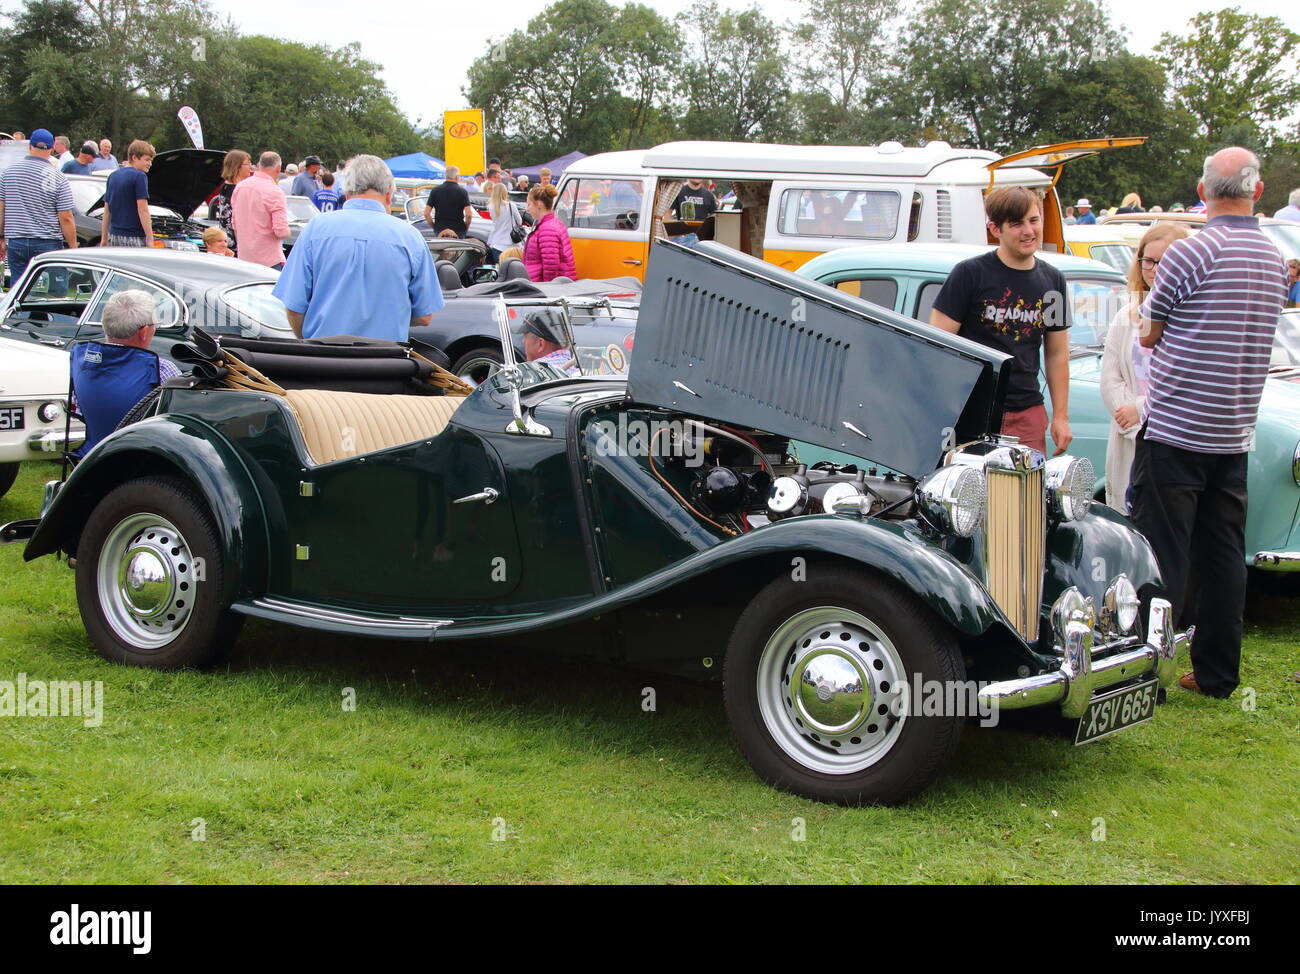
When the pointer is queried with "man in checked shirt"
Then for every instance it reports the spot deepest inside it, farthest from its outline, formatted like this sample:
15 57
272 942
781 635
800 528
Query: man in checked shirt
1210 316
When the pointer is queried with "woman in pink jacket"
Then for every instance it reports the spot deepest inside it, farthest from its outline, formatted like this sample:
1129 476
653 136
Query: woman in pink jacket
547 251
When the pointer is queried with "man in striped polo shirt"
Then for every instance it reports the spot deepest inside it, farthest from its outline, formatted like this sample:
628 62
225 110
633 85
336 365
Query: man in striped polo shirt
1210 317
35 207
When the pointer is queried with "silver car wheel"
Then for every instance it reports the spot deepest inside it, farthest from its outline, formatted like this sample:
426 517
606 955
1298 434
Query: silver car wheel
832 690
146 581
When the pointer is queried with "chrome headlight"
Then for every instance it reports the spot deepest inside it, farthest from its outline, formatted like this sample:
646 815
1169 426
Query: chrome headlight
1069 607
1070 483
1119 607
49 411
952 499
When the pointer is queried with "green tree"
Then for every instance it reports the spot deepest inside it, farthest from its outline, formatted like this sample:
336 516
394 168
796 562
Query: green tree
976 73
1122 95
45 66
553 87
843 67
734 81
1233 69
646 47
301 99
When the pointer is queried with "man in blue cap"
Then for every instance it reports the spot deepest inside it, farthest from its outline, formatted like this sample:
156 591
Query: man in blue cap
35 207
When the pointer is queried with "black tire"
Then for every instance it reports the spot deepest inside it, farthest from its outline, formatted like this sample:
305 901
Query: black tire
8 474
478 363
166 528
894 758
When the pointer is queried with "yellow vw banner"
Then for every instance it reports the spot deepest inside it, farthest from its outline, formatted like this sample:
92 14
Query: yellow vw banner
464 138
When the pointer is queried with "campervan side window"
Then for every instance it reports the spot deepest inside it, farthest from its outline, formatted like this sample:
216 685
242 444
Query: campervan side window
857 214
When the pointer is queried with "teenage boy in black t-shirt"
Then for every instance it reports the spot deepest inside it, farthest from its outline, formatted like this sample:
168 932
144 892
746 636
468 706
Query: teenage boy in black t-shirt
1009 300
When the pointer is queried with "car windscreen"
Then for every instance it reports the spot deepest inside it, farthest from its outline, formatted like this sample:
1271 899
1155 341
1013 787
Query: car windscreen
1093 305
301 208
1117 255
256 301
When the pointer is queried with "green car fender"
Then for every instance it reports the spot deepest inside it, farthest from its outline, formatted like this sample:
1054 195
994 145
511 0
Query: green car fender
178 446
804 544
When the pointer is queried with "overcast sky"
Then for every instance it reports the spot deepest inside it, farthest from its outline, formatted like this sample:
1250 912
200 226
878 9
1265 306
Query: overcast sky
426 50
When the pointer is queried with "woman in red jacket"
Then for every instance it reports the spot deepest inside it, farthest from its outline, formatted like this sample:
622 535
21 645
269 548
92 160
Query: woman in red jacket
547 251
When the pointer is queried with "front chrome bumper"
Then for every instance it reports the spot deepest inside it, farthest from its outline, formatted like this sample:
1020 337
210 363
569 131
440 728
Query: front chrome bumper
1278 561
1080 676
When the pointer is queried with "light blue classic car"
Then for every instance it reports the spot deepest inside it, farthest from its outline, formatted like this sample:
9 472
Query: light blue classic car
907 278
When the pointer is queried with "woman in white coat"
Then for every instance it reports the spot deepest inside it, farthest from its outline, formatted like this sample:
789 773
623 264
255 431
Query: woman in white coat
1124 365
504 219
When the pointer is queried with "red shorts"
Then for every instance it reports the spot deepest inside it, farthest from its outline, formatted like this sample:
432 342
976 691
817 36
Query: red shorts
1030 425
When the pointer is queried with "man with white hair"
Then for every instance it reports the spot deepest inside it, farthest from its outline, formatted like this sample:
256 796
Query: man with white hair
357 271
1210 316
112 375
1292 209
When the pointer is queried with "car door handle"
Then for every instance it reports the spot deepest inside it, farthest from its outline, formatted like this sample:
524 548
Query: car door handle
634 263
487 495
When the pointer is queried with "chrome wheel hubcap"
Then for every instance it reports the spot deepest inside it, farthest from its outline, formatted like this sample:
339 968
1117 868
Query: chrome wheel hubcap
831 690
146 581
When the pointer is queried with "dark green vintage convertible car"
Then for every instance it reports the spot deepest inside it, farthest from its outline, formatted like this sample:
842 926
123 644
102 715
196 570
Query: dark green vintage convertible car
660 520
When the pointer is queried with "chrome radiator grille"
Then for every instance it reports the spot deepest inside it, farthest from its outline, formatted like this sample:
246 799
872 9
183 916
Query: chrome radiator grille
1015 544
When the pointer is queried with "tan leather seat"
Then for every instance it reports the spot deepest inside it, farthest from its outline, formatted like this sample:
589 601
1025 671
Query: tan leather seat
338 425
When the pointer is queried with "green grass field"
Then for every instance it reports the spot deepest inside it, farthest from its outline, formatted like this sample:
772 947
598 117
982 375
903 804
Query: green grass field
489 764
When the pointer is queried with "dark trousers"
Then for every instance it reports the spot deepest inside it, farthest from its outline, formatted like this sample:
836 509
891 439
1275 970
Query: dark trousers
21 252
1192 508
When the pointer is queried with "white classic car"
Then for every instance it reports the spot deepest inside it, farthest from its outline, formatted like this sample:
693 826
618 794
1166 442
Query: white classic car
33 405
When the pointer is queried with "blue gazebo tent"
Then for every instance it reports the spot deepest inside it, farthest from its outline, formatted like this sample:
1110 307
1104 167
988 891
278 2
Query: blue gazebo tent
417 165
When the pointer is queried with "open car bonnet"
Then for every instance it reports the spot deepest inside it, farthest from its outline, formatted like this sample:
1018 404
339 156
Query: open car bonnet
725 336
182 179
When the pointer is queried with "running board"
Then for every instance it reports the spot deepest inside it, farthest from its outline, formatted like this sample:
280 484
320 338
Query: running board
334 620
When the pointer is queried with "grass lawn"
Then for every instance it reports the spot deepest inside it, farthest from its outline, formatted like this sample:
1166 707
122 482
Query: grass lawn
489 764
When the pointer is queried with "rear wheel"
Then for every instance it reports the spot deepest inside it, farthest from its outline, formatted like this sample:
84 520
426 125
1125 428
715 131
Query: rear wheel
150 578
818 680
477 364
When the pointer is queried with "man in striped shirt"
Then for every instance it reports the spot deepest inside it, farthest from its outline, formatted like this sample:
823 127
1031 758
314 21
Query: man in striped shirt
35 207
1210 316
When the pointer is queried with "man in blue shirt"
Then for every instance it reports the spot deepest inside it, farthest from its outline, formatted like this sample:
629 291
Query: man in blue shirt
304 184
1086 216
358 271
79 165
105 160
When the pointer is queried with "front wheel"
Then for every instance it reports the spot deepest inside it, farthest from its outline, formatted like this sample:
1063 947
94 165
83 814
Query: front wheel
819 684
150 578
